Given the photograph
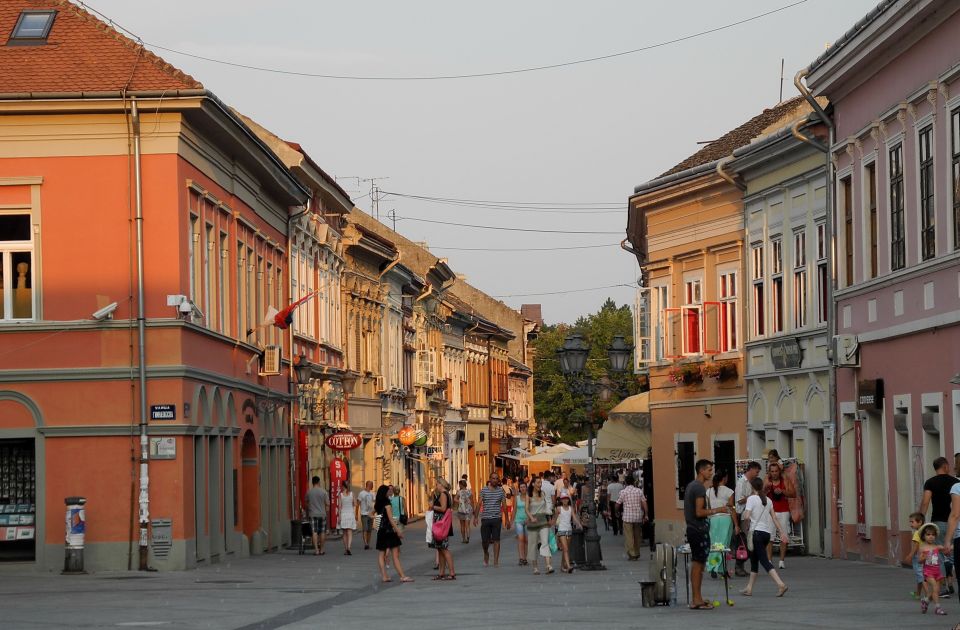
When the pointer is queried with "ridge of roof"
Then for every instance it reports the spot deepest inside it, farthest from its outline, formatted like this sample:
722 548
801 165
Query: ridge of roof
82 54
851 33
736 137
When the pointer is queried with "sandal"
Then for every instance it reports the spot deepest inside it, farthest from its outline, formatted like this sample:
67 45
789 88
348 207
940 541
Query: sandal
702 606
406 579
437 578
451 577
783 589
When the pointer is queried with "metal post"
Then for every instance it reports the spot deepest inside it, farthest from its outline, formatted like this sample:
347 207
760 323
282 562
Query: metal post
594 556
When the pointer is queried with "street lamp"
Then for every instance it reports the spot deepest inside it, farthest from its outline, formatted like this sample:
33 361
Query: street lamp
573 359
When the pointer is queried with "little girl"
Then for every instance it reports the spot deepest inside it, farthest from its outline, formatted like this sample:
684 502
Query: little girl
566 518
930 554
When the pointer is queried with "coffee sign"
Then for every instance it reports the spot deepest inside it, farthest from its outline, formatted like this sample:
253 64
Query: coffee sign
870 395
344 441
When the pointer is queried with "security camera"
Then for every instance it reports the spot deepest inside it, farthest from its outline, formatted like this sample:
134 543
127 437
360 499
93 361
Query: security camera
105 313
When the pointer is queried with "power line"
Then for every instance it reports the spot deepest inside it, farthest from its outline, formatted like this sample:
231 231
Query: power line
609 286
315 75
519 206
520 249
506 229
509 203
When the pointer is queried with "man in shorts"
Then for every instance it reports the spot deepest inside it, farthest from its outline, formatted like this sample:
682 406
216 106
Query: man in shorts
318 503
365 501
489 511
695 512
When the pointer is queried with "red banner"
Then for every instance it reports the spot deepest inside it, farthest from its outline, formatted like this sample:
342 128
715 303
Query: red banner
338 475
302 470
858 467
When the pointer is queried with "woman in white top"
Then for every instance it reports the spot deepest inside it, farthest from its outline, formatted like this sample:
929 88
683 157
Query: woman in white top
723 524
566 518
759 511
347 517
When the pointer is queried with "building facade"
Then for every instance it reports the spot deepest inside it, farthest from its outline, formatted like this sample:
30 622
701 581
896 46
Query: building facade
893 84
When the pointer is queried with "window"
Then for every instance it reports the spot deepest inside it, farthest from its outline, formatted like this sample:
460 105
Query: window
799 249
195 256
686 459
759 302
928 220
728 311
16 267
692 316
846 195
955 142
871 178
799 279
898 241
822 277
209 273
776 282
224 310
32 27
243 321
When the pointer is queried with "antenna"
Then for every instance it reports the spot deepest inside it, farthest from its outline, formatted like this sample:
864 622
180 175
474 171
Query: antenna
375 194
393 217
781 80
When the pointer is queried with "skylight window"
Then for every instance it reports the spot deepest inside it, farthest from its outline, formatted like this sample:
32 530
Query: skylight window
32 27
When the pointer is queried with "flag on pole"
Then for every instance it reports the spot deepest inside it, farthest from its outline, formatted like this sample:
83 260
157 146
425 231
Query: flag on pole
282 319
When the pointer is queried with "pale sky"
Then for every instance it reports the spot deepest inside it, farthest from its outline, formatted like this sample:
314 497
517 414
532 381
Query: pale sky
582 134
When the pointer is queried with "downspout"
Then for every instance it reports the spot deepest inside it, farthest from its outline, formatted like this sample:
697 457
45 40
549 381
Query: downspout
144 499
726 176
834 538
393 263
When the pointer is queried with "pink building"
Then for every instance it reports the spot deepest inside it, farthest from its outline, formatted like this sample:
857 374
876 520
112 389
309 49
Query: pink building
894 84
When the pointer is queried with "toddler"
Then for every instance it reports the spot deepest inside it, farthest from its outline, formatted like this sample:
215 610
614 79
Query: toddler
930 559
916 522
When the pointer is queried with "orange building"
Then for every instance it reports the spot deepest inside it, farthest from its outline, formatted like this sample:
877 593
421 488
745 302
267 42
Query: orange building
98 133
687 231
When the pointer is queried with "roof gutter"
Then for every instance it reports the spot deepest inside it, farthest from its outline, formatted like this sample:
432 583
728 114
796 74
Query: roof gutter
393 263
727 176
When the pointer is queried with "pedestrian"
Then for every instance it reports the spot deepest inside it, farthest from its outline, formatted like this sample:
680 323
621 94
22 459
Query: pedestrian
399 507
916 523
464 510
365 501
759 511
539 522
696 512
936 493
489 512
604 502
443 503
566 519
428 520
389 535
318 505
520 522
722 525
632 506
930 559
778 490
509 497
347 518
743 492
613 496
549 489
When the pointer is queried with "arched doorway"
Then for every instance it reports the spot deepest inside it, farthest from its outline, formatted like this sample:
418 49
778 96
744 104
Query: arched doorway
250 485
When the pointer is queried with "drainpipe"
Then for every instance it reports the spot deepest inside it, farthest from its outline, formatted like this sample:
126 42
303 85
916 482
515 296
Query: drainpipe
393 263
144 499
834 538
726 176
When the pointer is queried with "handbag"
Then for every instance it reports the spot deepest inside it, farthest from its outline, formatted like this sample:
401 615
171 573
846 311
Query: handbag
441 526
536 521
377 520
553 541
742 553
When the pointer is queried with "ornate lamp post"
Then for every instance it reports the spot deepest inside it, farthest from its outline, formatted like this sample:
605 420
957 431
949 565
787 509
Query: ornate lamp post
573 360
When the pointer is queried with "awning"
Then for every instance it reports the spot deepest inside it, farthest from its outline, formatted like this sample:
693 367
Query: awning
625 435
514 454
578 457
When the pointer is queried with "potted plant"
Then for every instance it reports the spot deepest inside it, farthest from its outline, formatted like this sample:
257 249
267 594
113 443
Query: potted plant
720 370
687 374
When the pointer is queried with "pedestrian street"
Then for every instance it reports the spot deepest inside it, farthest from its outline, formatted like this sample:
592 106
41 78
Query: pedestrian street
294 592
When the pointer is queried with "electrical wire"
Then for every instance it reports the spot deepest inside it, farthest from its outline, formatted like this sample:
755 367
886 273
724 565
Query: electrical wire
519 206
609 286
506 229
520 249
315 75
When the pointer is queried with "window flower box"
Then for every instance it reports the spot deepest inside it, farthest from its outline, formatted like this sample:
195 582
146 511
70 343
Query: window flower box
688 374
720 370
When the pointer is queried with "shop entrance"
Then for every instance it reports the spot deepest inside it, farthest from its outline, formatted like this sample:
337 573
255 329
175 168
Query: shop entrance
18 502
250 485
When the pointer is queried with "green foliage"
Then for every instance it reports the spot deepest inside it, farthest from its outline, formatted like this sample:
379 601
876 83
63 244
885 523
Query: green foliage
556 407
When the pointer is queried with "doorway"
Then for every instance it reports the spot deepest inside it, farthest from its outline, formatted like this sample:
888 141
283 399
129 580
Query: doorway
250 485
18 501
724 458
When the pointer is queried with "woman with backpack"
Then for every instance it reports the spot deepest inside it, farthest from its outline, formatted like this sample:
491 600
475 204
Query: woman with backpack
759 511
441 528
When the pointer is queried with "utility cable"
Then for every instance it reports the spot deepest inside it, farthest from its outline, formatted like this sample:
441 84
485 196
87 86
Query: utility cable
316 75
609 286
506 229
516 206
520 249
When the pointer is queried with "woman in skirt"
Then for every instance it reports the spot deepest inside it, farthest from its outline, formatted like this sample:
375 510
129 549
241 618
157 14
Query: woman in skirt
389 535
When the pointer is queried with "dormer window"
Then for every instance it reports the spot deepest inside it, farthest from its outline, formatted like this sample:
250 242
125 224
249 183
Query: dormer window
32 27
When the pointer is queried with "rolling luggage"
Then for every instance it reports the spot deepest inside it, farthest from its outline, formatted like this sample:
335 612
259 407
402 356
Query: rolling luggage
663 573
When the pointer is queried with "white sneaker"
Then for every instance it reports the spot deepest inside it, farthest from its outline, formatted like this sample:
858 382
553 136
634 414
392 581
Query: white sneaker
782 565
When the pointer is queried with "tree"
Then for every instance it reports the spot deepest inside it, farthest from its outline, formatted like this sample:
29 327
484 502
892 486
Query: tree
556 407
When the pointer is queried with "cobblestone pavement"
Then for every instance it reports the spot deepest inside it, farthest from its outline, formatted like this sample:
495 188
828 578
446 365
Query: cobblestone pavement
286 590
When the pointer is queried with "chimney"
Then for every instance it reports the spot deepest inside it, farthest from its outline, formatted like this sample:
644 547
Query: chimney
532 312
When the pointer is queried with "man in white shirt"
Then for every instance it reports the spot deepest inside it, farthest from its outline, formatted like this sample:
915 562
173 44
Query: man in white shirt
548 489
365 500
616 512
743 492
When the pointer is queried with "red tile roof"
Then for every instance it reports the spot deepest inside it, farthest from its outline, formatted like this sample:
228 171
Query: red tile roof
82 54
742 135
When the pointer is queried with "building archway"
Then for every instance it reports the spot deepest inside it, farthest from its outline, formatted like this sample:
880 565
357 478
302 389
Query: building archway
22 478
250 485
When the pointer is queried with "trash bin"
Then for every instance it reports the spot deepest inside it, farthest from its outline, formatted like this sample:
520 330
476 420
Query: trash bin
578 552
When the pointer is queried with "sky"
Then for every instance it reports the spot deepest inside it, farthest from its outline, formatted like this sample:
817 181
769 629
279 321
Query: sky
575 139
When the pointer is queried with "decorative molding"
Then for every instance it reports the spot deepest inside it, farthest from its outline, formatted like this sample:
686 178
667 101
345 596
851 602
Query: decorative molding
912 109
902 114
859 146
944 88
882 127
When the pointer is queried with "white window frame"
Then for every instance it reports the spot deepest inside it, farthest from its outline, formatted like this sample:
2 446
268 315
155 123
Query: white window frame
693 305
9 277
758 310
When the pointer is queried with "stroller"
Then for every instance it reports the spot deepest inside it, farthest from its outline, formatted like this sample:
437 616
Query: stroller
305 539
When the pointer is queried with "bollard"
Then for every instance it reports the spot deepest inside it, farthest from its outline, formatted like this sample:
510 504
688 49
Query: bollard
76 530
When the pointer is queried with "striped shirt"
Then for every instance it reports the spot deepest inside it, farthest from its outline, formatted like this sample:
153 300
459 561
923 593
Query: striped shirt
492 499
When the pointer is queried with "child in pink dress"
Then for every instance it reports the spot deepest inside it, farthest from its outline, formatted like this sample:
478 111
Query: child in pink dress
931 559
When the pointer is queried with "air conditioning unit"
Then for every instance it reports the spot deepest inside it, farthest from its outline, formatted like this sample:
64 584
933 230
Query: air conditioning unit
270 361
846 351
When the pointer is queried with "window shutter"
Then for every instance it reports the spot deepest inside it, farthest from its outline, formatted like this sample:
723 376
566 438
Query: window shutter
641 333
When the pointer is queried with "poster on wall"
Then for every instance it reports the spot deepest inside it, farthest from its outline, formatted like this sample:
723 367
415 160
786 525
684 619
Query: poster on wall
339 473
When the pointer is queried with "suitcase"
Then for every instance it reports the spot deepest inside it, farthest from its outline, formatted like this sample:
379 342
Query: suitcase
663 572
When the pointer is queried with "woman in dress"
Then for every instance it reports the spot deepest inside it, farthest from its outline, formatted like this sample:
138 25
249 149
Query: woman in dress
442 503
347 517
723 524
520 522
389 535
464 510
539 522
779 491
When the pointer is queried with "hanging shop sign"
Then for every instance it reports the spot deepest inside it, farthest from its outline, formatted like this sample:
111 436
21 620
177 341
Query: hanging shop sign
339 473
421 438
407 435
870 395
786 354
343 441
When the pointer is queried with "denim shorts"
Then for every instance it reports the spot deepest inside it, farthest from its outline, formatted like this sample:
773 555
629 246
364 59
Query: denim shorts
520 528
564 533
